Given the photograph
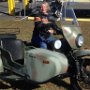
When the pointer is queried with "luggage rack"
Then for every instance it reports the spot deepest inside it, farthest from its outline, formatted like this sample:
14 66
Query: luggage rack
9 32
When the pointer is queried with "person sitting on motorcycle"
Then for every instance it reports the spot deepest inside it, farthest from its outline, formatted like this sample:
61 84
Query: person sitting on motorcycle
44 28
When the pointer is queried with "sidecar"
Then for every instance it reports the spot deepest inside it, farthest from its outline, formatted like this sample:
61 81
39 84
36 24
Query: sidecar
18 61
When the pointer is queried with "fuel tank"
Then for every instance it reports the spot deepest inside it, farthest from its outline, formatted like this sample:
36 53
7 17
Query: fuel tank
42 64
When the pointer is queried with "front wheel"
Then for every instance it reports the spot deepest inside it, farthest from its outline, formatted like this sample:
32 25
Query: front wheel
85 73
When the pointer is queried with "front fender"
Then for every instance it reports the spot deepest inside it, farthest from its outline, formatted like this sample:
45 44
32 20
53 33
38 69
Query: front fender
82 53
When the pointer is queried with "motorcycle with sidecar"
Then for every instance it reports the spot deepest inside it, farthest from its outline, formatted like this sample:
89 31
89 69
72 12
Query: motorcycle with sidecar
66 58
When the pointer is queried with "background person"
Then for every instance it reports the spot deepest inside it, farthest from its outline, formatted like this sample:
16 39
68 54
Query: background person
44 27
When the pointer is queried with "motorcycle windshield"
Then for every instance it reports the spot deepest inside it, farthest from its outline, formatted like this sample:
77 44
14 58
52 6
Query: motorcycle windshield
70 26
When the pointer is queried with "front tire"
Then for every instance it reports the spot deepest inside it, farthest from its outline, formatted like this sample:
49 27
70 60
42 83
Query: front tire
85 70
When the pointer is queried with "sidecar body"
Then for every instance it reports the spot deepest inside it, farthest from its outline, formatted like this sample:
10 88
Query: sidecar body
27 62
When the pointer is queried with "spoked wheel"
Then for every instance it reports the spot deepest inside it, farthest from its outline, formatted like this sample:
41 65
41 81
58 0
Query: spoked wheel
85 81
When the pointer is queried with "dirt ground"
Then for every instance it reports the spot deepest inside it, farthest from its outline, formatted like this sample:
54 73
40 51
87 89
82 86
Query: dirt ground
26 28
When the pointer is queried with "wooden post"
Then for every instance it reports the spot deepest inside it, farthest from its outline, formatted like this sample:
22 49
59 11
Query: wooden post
11 7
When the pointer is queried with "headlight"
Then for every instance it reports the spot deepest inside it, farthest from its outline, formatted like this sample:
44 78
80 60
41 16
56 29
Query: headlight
80 41
57 44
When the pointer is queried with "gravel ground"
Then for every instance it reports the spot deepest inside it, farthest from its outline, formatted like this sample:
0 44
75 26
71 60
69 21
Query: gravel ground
25 34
